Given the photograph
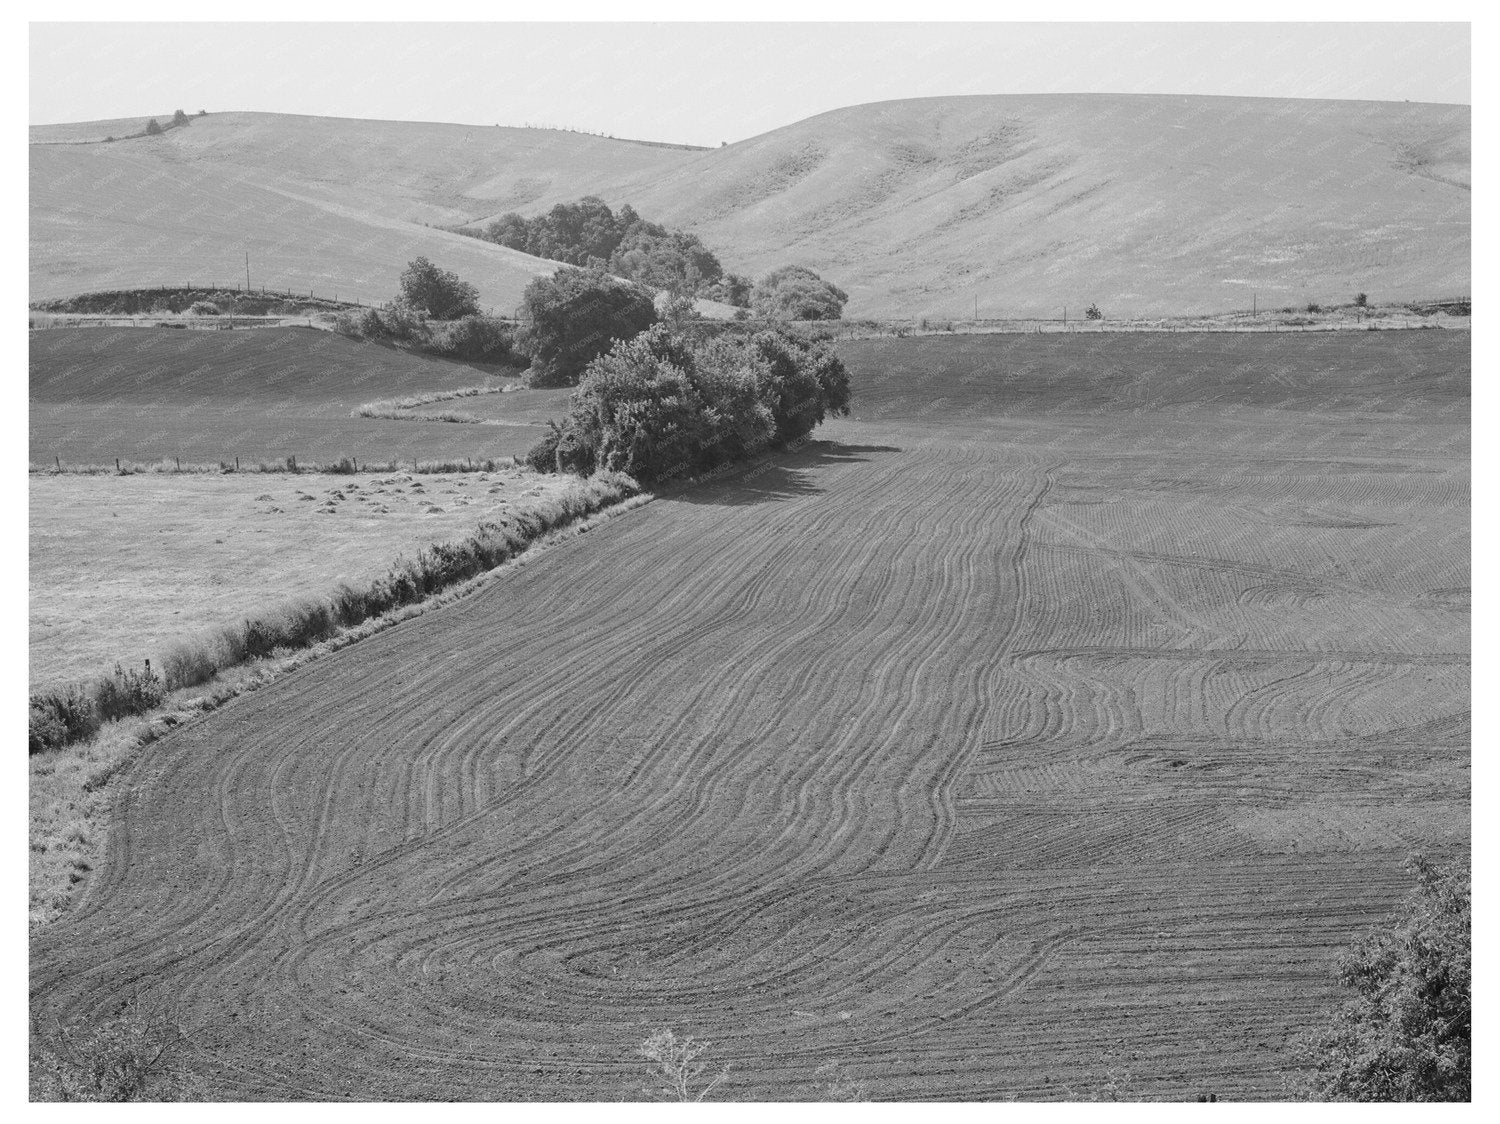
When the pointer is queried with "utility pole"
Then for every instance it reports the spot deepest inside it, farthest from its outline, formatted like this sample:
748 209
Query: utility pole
247 271
1254 304
976 308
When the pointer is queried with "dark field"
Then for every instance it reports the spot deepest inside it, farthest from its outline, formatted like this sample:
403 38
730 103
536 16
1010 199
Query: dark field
151 394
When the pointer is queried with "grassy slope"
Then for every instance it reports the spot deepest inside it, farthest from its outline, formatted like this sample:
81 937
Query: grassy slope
147 394
1144 204
335 205
119 216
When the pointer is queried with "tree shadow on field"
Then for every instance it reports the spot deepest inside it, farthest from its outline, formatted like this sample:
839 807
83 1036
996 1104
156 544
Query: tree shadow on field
782 476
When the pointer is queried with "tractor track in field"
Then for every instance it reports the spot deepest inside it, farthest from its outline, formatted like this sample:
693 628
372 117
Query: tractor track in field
977 763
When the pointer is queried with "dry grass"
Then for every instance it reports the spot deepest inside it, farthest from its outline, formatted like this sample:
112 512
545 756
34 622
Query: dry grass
122 566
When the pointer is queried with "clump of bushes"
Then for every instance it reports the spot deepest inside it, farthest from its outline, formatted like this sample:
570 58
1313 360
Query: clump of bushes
1093 312
576 315
61 716
73 713
795 292
477 338
128 692
1406 1033
203 308
659 406
588 233
482 339
435 292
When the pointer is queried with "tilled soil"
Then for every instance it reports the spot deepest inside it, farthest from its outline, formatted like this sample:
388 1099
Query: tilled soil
985 751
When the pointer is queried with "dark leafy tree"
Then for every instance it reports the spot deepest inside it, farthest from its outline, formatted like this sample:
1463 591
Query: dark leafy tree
576 315
152 128
1092 312
179 118
794 292
1405 1036
437 292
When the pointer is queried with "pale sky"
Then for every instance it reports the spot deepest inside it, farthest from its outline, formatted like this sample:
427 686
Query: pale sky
704 83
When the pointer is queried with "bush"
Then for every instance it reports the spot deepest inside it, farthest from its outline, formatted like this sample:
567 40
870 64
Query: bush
179 118
152 128
203 308
137 1055
187 664
575 316
128 692
437 292
658 406
1092 312
1406 1034
45 731
71 709
794 292
675 1073
1314 306
477 338
1361 300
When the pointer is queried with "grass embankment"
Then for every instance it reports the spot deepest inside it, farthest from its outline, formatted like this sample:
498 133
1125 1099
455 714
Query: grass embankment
69 779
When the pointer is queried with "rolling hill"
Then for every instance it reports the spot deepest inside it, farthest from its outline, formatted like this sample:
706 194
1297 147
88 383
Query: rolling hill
330 205
1019 205
1146 204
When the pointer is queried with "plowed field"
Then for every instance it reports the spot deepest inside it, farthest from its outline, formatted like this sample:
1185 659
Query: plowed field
1067 710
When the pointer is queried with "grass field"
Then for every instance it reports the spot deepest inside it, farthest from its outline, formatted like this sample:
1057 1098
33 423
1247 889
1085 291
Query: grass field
1059 716
150 394
123 565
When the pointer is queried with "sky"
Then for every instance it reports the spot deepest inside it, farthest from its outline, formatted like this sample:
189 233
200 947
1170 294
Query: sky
706 83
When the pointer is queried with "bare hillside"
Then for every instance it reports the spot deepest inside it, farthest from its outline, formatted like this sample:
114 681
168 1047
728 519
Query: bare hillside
1145 204
1016 205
